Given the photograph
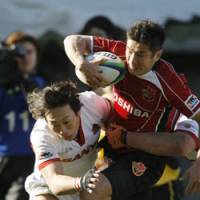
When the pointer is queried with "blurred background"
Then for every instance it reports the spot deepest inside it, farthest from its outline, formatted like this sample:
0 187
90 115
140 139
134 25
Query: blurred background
39 27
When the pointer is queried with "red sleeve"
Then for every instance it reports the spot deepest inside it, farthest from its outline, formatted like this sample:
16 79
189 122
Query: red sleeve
45 163
176 91
115 46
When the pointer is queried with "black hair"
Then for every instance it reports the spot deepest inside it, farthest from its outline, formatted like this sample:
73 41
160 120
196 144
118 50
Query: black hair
148 33
53 96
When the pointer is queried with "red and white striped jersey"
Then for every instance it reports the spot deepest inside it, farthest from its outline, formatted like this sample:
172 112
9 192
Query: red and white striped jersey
141 101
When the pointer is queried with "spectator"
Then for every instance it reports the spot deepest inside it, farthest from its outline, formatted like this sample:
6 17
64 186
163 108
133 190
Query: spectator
16 157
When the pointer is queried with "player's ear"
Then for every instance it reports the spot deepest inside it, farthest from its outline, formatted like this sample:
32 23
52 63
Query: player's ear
158 54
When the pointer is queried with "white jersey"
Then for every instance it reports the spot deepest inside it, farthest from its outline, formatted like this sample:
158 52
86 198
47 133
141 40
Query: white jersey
77 156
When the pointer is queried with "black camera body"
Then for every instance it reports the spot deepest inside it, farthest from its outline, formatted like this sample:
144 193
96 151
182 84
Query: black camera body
9 70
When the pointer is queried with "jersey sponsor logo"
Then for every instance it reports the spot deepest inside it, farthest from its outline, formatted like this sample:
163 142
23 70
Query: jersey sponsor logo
45 155
138 168
148 93
129 107
192 101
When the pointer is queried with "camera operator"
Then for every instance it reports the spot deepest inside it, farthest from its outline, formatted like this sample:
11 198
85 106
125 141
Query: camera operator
18 60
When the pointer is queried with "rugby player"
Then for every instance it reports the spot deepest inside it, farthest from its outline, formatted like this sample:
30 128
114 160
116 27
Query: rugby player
141 100
64 140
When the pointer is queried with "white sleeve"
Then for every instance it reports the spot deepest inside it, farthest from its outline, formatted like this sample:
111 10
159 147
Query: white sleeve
188 125
43 147
97 103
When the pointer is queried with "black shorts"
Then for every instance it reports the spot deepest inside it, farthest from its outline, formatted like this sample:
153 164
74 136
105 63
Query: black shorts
173 190
132 175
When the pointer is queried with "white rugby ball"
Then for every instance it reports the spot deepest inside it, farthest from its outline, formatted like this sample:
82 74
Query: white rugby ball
112 70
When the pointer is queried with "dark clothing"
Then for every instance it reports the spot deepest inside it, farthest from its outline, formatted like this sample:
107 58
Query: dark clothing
173 190
16 123
13 171
134 173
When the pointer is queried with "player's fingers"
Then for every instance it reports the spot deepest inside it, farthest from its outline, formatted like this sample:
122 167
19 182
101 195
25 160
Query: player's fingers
89 190
188 188
95 175
99 61
93 82
93 180
91 185
192 187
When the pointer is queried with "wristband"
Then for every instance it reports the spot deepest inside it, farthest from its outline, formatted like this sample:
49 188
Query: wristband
77 184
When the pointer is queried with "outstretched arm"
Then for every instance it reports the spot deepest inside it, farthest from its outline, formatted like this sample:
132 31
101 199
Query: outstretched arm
183 140
61 184
163 143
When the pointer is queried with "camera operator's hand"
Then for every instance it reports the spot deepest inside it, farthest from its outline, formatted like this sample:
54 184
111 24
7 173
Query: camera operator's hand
87 182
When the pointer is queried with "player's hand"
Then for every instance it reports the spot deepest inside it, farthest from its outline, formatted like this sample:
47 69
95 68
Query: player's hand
116 136
192 175
88 181
92 72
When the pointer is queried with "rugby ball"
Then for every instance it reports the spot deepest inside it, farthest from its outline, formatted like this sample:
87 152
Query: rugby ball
112 70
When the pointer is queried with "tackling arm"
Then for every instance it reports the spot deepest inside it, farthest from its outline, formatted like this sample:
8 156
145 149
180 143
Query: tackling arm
164 144
161 143
61 184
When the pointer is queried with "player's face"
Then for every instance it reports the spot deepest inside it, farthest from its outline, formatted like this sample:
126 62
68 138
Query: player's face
63 121
139 57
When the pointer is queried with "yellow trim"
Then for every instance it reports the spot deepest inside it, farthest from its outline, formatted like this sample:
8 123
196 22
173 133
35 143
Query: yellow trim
102 135
171 191
168 175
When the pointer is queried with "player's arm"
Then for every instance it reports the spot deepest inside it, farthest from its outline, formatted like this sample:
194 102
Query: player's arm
76 47
183 141
161 143
57 182
61 184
